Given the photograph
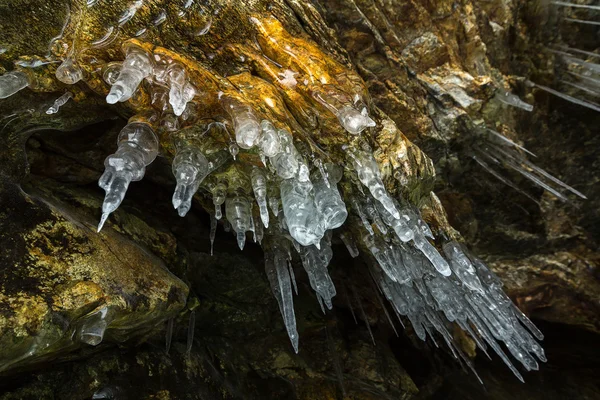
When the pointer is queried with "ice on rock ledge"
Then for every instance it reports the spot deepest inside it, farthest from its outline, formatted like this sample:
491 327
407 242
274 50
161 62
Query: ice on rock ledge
512 100
245 123
12 82
137 148
190 167
137 66
269 142
259 186
239 216
180 91
301 215
350 111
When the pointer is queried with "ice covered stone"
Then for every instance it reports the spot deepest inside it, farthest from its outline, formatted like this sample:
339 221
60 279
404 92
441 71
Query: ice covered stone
137 148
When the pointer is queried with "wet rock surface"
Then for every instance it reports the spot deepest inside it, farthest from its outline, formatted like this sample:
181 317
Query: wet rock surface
61 282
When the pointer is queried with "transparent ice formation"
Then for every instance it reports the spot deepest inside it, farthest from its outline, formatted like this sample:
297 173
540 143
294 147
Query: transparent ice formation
138 147
512 100
259 186
69 72
276 266
58 103
219 192
368 173
245 123
269 142
315 261
180 91
300 212
239 216
286 162
190 167
137 66
351 113
329 204
12 82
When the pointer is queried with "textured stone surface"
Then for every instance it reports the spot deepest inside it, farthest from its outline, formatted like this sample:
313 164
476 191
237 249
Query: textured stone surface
430 68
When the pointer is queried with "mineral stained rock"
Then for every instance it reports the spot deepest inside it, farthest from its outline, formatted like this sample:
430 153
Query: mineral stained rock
299 117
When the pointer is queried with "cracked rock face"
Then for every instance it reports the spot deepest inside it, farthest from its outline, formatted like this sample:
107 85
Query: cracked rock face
147 308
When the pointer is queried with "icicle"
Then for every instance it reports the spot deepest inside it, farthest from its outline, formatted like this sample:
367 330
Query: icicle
368 173
286 161
190 167
399 225
300 212
571 99
69 72
330 206
362 312
269 142
239 215
349 302
387 314
138 147
234 150
169 334
259 186
246 125
292 275
258 230
180 92
462 267
512 100
213 232
567 4
506 140
350 245
58 103
337 365
137 66
190 335
315 263
219 191
276 267
12 82
358 208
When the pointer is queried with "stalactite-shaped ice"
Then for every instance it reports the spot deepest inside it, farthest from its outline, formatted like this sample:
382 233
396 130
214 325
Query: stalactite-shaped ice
213 232
12 82
462 266
301 215
363 218
269 142
368 173
219 192
286 161
329 204
137 66
276 267
315 262
512 100
399 225
58 103
259 186
350 245
352 113
190 167
69 72
246 125
138 147
178 82
94 327
239 215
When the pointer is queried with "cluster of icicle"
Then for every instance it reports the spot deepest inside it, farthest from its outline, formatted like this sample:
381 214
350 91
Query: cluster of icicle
303 199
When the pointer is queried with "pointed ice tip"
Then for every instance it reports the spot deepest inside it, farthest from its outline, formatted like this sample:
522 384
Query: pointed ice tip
241 239
176 203
112 98
102 221
182 211
295 344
